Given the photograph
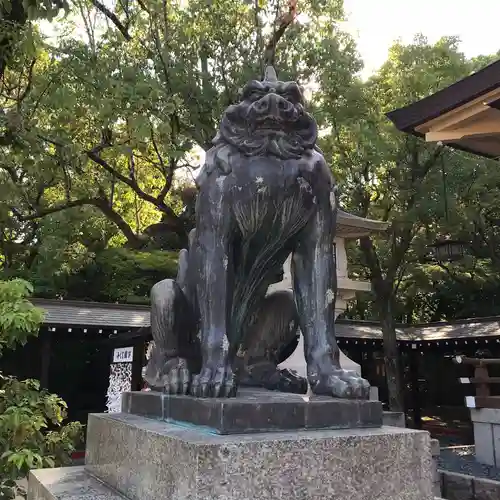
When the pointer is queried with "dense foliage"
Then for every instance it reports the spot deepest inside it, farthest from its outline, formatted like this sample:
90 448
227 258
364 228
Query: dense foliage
119 275
18 318
101 128
32 429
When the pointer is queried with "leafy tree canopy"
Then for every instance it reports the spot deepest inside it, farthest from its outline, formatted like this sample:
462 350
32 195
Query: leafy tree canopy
103 122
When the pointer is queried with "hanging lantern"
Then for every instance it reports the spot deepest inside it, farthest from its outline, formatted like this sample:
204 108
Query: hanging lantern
448 250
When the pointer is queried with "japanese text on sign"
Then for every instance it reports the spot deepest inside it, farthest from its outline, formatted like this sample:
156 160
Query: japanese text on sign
123 355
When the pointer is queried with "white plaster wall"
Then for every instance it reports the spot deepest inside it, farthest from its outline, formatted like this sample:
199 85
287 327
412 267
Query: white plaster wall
297 361
341 261
341 257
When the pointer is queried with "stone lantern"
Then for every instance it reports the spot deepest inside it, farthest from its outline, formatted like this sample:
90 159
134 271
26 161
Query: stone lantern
349 227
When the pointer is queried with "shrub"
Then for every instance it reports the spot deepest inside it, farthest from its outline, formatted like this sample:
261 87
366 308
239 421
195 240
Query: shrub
19 319
121 275
32 433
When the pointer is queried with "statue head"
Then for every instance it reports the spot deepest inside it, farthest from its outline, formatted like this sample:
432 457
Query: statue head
269 119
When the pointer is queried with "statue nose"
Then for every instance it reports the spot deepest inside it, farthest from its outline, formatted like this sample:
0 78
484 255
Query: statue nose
264 104
273 103
284 105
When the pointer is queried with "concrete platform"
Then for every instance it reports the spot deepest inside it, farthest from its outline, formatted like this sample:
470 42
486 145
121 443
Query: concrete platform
393 419
146 459
68 483
71 483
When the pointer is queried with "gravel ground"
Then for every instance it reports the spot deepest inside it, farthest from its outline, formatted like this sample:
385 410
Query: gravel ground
461 459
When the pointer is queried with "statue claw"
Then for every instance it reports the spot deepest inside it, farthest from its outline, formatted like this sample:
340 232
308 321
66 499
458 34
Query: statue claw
340 384
214 383
176 377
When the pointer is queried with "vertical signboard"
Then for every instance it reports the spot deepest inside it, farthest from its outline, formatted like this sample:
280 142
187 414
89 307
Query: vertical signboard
120 377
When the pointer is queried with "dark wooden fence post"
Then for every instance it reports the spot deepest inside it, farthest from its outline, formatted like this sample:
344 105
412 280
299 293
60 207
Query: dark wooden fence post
415 389
46 353
482 381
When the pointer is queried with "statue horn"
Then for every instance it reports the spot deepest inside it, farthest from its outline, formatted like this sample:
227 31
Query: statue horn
270 74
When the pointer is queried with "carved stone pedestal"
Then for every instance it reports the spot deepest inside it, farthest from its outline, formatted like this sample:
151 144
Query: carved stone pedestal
258 445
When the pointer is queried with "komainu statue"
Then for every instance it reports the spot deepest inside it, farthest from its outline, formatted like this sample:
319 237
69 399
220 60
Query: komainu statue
265 192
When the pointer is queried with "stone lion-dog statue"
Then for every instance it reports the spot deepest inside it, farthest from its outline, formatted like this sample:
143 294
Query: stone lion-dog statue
265 193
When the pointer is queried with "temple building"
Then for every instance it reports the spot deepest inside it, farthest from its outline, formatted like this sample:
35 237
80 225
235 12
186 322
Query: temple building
463 116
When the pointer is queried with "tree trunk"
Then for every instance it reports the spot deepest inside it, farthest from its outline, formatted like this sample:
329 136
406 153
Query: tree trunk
12 20
392 358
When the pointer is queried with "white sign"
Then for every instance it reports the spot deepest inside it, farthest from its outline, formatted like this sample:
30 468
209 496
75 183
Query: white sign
123 355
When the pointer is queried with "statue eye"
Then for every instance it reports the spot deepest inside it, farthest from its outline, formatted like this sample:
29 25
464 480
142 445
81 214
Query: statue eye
256 95
290 97
252 91
293 94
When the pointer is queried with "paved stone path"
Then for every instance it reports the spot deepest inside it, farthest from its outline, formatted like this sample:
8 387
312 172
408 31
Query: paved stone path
461 459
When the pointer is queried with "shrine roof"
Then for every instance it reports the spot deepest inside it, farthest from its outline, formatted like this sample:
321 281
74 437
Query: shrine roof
80 314
465 115
441 331
351 226
98 314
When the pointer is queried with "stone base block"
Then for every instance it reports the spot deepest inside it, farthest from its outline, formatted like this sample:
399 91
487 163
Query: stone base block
73 483
68 483
255 410
464 487
486 423
394 418
147 459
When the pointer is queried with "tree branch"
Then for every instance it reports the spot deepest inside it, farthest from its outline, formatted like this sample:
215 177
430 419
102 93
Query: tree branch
13 17
142 5
113 18
286 19
372 261
29 85
93 154
34 107
167 171
40 213
104 206
101 203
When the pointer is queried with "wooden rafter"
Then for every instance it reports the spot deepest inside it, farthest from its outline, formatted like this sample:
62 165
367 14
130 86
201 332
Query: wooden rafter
475 129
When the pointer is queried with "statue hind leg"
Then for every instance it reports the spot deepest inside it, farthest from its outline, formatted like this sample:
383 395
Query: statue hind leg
272 338
176 354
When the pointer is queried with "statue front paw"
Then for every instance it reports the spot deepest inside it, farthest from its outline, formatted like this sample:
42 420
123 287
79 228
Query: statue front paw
215 381
338 383
291 381
176 376
173 377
